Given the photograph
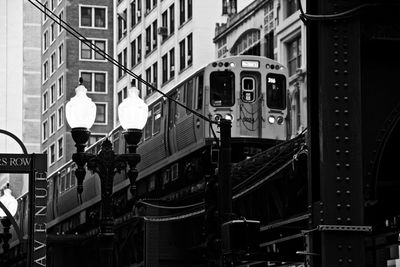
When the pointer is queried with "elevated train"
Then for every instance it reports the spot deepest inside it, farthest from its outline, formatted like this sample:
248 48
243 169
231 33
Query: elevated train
178 148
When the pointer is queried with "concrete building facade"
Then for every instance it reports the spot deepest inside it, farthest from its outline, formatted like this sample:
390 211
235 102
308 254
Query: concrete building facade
271 28
19 83
65 59
163 42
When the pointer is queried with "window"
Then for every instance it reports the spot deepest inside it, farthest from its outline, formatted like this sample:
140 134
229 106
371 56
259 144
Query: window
157 118
52 153
139 49
199 104
45 71
181 11
190 49
52 4
222 48
53 63
291 7
172 19
95 82
45 130
155 34
94 138
52 94
189 11
45 40
155 76
60 117
164 22
122 59
45 17
222 88
148 40
182 55
147 128
172 63
86 53
148 79
133 13
101 113
60 86
52 32
150 4
248 89
60 16
122 95
276 91
122 31
248 43
52 123
133 53
294 55
93 17
45 99
60 147
60 54
164 68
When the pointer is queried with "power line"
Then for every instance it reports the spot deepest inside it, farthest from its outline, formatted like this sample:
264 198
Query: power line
94 47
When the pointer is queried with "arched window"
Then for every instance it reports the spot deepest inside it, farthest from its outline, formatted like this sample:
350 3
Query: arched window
247 44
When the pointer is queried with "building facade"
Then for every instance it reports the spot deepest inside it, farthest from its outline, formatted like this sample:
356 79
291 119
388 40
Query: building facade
19 83
163 42
65 59
271 28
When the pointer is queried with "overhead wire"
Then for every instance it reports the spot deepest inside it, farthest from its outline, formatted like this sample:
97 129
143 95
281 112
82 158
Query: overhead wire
94 47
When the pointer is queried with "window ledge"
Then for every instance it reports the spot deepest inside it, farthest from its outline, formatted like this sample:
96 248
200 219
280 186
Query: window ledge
167 82
183 70
184 23
149 53
166 39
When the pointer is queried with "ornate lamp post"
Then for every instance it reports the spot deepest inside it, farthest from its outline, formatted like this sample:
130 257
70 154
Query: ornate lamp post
80 114
11 204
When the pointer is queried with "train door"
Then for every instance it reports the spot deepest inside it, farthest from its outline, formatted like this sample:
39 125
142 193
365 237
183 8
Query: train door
250 104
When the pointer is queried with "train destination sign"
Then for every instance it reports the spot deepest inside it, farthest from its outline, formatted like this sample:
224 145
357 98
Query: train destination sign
15 163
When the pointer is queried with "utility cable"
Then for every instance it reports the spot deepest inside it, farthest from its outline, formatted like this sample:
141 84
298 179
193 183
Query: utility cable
170 207
94 47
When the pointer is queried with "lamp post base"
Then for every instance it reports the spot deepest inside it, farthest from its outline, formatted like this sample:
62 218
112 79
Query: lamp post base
106 241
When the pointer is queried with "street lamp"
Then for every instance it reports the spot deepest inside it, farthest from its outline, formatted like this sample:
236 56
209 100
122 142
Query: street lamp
80 115
11 204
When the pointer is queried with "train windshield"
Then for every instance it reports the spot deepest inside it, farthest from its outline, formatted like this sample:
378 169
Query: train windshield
276 91
222 88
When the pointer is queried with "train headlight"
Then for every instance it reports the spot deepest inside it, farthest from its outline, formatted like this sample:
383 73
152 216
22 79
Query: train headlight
229 117
217 117
279 120
271 119
232 65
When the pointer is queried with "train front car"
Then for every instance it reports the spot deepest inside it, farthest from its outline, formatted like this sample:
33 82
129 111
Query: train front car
250 91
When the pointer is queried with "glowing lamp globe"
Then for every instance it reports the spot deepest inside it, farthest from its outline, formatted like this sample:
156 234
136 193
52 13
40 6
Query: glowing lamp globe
80 111
133 111
9 202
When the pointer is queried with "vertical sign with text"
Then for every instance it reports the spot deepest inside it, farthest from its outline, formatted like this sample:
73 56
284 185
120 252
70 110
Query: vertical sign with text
39 225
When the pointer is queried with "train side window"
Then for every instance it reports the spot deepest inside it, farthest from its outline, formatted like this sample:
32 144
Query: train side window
174 172
148 127
189 95
62 181
157 118
172 111
276 91
248 89
222 88
200 86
